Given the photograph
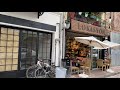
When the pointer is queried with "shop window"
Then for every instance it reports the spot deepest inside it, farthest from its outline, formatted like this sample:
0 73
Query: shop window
7 49
34 45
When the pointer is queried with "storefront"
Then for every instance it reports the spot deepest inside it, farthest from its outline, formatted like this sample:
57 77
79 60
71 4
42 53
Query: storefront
75 49
20 47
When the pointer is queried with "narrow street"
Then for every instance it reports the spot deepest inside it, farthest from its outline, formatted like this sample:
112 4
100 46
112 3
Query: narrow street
114 76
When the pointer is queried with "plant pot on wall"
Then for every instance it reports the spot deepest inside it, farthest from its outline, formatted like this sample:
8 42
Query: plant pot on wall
67 24
86 14
80 13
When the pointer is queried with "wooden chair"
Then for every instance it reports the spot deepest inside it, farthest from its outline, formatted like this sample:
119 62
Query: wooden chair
87 66
108 63
100 64
74 68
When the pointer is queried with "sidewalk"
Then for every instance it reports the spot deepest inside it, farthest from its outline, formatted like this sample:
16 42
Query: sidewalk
97 73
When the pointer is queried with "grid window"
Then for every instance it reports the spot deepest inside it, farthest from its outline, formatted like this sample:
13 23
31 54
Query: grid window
34 45
9 42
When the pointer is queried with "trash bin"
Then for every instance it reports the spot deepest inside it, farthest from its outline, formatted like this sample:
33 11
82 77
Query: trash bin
60 72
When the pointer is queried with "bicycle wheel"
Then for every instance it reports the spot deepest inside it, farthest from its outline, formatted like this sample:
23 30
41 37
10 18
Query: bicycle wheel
40 73
51 74
30 72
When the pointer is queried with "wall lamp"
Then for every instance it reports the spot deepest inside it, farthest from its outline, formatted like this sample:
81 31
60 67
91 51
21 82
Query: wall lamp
40 14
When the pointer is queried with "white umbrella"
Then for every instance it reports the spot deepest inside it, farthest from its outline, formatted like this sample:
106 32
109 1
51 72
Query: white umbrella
111 44
92 41
98 48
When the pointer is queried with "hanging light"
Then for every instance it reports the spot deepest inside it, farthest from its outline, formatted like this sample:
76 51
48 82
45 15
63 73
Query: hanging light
110 18
40 14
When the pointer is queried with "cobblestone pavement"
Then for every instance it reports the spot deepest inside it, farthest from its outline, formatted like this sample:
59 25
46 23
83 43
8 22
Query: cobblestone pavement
114 76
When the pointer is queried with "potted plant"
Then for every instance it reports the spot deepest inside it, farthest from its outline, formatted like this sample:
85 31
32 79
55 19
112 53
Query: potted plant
67 24
80 13
86 14
93 15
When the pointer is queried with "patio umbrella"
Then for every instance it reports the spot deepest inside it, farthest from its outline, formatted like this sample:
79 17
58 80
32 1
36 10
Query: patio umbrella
98 48
92 41
111 44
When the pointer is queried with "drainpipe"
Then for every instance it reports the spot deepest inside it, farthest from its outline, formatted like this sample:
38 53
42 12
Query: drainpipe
60 30
57 45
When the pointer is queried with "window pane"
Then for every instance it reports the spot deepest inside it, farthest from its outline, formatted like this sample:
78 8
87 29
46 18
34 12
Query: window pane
3 36
9 49
10 43
44 49
3 49
8 67
15 61
48 50
2 62
10 37
2 55
15 49
4 30
3 43
9 61
14 67
9 55
16 38
15 55
16 32
16 44
2 68
10 31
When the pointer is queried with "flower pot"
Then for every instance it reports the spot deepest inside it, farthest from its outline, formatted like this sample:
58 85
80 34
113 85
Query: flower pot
92 16
67 25
86 14
97 19
80 13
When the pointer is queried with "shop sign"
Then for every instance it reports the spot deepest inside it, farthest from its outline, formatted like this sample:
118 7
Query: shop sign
87 28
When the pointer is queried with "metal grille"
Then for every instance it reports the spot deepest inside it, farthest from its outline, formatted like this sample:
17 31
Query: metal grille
34 45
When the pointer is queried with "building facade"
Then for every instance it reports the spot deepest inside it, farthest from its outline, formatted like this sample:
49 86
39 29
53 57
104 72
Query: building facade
26 37
84 24
115 37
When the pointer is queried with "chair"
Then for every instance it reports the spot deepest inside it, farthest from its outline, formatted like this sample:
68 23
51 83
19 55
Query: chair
87 66
108 63
74 68
100 64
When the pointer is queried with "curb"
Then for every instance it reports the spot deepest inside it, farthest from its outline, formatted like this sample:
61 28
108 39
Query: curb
112 74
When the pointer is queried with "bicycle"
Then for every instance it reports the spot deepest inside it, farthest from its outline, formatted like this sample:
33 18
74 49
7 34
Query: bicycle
41 70
46 71
30 72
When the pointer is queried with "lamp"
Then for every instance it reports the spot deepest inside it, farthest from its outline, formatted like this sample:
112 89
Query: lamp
40 14
110 20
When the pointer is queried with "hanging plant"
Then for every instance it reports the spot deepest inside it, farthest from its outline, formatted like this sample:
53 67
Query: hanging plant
67 24
80 13
86 14
92 15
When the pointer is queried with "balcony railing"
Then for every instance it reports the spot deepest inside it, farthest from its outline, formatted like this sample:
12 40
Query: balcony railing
91 18
100 23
